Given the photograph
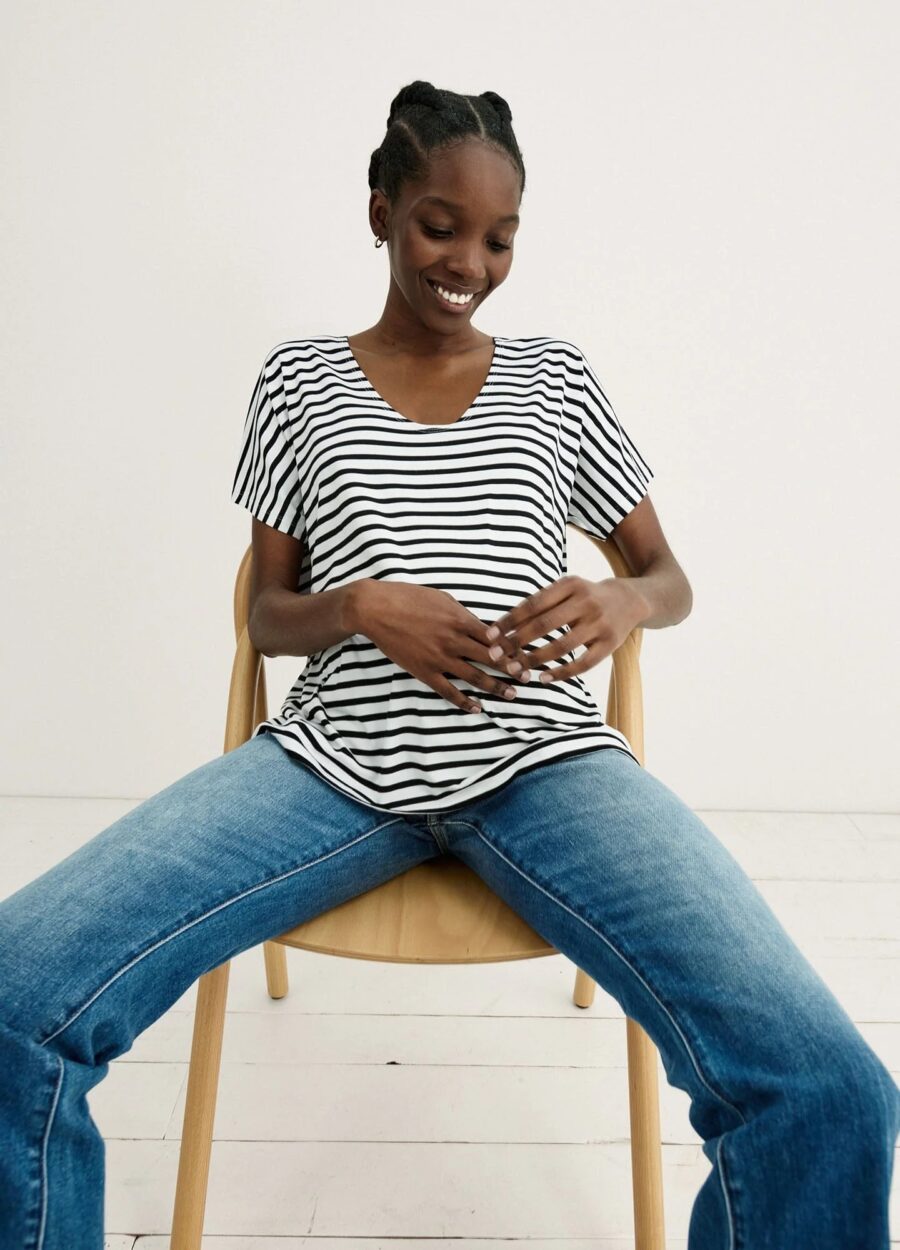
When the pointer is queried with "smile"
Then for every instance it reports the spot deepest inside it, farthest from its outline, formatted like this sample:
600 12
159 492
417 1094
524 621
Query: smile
453 303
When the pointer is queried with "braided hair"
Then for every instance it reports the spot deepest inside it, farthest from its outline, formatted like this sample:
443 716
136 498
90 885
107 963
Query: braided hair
424 118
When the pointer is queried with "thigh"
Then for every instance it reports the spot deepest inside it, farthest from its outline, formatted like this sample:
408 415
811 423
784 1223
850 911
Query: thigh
615 870
239 850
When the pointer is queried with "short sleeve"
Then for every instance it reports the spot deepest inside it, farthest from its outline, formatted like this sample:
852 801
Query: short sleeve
612 476
266 480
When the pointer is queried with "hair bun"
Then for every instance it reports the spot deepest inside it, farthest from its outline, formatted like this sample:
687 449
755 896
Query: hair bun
502 108
424 120
418 92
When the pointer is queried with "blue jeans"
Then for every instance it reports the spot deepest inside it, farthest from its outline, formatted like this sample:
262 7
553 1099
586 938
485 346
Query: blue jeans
797 1114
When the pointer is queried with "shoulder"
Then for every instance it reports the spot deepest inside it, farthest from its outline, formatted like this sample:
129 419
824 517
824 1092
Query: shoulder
543 345
570 350
308 350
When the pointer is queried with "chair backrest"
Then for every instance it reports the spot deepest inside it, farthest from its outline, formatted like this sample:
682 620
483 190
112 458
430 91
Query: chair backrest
440 911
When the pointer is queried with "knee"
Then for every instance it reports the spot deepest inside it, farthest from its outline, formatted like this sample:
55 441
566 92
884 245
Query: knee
860 1096
886 1095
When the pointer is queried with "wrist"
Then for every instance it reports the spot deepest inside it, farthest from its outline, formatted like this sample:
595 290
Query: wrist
352 611
640 607
643 606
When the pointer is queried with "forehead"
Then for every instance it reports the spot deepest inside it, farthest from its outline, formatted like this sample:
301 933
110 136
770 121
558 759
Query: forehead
453 207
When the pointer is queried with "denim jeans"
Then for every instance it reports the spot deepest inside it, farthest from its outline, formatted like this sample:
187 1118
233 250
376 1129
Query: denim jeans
797 1114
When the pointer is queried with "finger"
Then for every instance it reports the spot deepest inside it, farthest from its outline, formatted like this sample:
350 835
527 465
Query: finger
521 667
515 662
511 620
500 653
569 641
525 611
562 611
484 681
511 661
502 648
564 616
592 656
561 671
555 674
457 697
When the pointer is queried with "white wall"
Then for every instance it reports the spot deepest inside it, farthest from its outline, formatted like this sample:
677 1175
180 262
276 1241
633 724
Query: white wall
710 213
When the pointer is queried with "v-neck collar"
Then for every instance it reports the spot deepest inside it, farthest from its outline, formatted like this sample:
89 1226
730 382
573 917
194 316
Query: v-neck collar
428 425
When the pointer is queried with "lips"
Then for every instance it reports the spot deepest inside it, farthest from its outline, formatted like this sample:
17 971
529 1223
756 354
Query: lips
454 290
448 307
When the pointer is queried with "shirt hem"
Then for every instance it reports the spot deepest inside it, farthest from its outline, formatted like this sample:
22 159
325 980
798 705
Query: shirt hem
468 793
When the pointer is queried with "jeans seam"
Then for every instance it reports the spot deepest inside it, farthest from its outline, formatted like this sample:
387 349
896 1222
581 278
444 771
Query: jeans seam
433 823
218 907
732 1234
559 902
42 1225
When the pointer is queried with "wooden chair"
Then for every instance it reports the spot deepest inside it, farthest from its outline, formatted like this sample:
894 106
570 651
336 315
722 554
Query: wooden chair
395 923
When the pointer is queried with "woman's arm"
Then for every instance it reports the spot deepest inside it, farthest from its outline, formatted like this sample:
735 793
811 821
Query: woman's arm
282 621
664 595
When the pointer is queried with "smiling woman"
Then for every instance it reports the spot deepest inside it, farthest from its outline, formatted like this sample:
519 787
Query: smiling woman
431 470
446 188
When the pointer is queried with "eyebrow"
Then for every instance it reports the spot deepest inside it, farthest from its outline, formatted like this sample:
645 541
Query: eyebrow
438 199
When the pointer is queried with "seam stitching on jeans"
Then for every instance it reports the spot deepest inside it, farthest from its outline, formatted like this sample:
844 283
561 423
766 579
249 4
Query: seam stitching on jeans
720 1155
50 1118
227 903
649 987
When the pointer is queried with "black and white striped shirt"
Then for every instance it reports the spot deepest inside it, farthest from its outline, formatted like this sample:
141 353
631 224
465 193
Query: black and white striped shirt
477 508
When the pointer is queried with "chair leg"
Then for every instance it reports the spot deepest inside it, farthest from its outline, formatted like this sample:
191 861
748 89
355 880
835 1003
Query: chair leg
200 1110
276 969
583 995
646 1149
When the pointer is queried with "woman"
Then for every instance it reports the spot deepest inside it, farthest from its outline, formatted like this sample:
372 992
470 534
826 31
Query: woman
410 488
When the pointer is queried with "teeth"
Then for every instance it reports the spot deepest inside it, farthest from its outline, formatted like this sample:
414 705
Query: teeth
450 296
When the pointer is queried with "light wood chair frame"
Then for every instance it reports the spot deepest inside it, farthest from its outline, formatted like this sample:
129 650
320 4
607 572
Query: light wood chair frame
396 922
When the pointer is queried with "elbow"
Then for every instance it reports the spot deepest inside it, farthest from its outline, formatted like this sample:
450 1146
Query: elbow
687 600
256 641
681 592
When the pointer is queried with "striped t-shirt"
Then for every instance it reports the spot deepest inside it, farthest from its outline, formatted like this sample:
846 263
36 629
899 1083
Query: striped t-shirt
477 508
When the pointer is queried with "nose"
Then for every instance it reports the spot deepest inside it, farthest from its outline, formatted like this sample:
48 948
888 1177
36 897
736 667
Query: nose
464 263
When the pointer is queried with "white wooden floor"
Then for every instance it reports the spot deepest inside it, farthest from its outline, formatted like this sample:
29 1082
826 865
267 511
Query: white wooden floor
386 1101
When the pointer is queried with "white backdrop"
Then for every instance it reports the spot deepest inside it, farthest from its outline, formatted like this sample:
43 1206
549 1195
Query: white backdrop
710 213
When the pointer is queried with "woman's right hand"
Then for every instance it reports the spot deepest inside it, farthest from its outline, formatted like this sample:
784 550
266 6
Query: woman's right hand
432 636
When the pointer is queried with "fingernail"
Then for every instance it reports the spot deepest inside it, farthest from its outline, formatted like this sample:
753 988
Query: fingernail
509 693
495 652
493 631
526 676
513 666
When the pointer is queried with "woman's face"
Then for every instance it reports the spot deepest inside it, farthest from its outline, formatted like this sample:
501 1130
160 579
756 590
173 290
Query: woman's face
455 229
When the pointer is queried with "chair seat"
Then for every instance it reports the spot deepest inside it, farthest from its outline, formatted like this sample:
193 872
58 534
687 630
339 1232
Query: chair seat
438 912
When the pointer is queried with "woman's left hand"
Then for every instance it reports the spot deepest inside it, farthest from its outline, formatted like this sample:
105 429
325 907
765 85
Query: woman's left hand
599 616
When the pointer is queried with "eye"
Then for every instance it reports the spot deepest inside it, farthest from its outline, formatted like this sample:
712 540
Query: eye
445 234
